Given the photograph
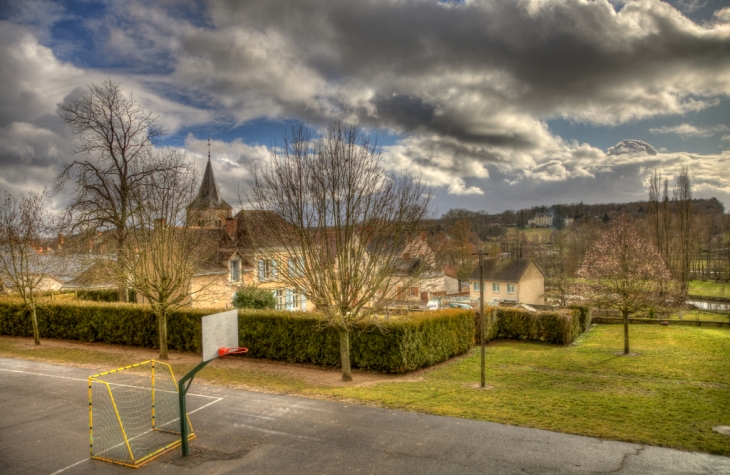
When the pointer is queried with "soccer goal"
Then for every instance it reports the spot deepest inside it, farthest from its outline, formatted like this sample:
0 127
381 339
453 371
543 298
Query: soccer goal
134 413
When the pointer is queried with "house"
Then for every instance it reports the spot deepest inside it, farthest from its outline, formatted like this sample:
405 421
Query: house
237 263
541 220
244 233
418 259
514 280
213 286
41 269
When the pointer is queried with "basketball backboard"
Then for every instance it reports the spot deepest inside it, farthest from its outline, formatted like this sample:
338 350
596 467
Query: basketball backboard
220 330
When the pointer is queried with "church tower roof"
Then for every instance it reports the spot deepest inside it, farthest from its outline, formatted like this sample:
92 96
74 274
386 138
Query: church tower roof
209 195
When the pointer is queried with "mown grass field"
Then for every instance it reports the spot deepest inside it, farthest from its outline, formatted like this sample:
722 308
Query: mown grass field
543 233
709 289
671 394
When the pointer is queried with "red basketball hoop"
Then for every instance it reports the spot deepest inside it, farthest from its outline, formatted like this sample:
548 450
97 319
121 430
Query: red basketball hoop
232 351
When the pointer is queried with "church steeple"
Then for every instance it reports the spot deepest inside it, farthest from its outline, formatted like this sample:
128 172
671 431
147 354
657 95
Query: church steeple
208 206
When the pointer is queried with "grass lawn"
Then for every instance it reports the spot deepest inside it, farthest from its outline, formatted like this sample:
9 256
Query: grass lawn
671 394
709 289
543 233
701 315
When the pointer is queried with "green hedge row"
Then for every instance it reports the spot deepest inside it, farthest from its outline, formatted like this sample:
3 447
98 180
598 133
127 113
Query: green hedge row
561 327
395 345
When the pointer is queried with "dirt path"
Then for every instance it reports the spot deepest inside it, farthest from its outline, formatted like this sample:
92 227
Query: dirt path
309 374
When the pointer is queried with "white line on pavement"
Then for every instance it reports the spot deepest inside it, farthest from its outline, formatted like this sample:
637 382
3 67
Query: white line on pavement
86 381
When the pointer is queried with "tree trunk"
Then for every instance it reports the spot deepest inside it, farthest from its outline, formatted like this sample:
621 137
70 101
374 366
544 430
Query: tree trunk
162 330
34 319
345 355
625 315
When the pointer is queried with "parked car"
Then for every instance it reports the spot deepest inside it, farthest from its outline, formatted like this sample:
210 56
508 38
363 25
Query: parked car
433 305
460 305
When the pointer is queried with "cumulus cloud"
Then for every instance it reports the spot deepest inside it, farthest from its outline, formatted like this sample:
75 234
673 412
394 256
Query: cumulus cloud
469 88
689 130
34 143
631 147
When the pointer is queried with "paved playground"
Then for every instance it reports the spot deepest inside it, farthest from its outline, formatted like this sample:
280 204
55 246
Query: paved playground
44 431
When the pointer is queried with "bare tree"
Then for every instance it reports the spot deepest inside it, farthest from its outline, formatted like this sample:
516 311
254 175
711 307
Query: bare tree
347 224
459 249
654 211
117 135
162 252
24 225
624 271
682 195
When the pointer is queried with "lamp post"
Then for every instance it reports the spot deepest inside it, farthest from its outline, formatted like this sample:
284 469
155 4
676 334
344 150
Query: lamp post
481 255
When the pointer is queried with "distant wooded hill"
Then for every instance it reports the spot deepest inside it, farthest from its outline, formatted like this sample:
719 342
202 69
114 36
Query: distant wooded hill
487 225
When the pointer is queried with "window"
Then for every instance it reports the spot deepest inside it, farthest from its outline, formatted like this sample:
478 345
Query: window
296 266
235 270
218 223
495 287
288 299
280 296
510 288
201 223
267 269
476 286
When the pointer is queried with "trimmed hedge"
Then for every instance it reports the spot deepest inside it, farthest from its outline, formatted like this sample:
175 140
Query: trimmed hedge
552 327
400 344
117 323
560 327
396 345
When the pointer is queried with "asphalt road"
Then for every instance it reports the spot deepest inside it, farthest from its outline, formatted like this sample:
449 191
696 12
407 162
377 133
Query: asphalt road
44 430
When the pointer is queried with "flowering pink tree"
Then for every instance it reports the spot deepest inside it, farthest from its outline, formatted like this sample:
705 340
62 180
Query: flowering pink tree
622 270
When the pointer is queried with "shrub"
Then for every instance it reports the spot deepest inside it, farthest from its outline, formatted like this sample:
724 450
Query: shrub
252 297
561 327
584 316
395 345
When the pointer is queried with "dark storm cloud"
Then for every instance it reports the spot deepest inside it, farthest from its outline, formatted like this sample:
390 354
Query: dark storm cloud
469 86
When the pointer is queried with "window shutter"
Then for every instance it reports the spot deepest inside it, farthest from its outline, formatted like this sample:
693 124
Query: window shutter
289 300
304 303
261 270
291 267
273 268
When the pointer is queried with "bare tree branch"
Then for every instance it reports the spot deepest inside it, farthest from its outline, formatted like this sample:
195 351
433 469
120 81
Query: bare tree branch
343 226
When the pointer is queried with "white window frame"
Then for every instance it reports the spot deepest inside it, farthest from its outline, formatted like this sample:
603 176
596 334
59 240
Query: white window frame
280 296
235 273
512 286
476 286
266 270
495 287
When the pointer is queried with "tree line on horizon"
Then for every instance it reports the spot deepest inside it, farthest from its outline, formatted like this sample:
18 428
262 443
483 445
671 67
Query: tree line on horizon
691 235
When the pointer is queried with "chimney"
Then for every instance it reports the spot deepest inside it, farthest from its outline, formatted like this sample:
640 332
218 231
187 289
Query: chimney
231 227
423 235
61 241
159 222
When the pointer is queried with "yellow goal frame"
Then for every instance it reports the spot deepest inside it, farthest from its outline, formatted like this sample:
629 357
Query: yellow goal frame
133 463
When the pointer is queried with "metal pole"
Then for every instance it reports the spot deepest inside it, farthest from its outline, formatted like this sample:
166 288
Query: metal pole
481 255
481 308
182 390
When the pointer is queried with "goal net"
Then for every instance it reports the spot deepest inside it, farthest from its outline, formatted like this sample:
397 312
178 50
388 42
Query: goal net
134 413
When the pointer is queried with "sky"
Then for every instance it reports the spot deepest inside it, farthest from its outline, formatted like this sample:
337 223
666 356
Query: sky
496 104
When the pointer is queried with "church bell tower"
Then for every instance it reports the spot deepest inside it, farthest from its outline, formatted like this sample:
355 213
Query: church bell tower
209 209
